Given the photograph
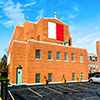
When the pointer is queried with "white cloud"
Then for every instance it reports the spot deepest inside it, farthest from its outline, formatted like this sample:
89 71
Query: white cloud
71 16
29 4
76 9
13 12
62 18
86 38
96 27
41 12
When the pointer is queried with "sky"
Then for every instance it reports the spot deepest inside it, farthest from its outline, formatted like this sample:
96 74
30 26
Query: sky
82 16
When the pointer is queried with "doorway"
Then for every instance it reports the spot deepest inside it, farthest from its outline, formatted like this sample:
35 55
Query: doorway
19 75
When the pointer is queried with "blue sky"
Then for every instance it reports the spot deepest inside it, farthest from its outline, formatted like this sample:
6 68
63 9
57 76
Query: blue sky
82 16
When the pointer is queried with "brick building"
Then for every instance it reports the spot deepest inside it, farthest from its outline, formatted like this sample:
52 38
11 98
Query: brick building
45 49
92 63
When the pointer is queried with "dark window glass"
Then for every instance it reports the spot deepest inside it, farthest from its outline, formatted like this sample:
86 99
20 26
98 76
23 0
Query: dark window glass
96 58
49 55
69 43
37 54
58 56
50 77
73 76
93 58
37 77
90 58
73 57
66 56
82 76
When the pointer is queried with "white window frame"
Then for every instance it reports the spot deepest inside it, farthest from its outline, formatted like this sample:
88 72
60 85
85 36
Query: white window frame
9 58
81 59
51 56
56 56
64 57
74 57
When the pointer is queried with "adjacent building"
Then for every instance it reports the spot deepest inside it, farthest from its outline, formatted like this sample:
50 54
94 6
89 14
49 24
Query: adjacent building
45 49
92 63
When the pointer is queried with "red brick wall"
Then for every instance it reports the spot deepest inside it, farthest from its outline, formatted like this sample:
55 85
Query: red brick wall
24 55
98 52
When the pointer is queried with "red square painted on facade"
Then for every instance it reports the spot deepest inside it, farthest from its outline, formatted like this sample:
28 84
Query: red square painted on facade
59 32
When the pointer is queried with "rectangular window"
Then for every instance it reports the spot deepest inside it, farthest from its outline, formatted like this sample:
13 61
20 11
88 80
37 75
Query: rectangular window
91 66
90 58
73 76
37 77
49 55
96 66
82 76
50 77
65 56
73 57
81 58
88 66
58 56
96 58
93 58
37 54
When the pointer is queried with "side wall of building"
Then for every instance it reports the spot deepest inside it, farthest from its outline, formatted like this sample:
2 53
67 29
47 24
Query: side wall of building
98 52
25 55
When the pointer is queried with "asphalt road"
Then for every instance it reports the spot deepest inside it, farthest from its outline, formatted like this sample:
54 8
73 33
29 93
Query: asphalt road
68 91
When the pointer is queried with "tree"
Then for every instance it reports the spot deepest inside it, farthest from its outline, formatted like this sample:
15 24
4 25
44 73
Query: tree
3 65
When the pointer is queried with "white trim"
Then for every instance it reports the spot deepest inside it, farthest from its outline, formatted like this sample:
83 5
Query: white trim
46 43
43 84
38 59
58 60
81 61
65 60
50 59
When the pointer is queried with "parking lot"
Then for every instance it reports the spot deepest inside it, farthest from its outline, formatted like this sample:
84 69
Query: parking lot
68 91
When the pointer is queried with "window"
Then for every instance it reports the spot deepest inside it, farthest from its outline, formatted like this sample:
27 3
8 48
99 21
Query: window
93 58
69 43
37 54
88 66
96 66
73 57
38 37
96 58
37 77
90 58
49 55
91 66
50 77
58 56
82 76
66 43
73 76
65 56
81 58
9 58
32 38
